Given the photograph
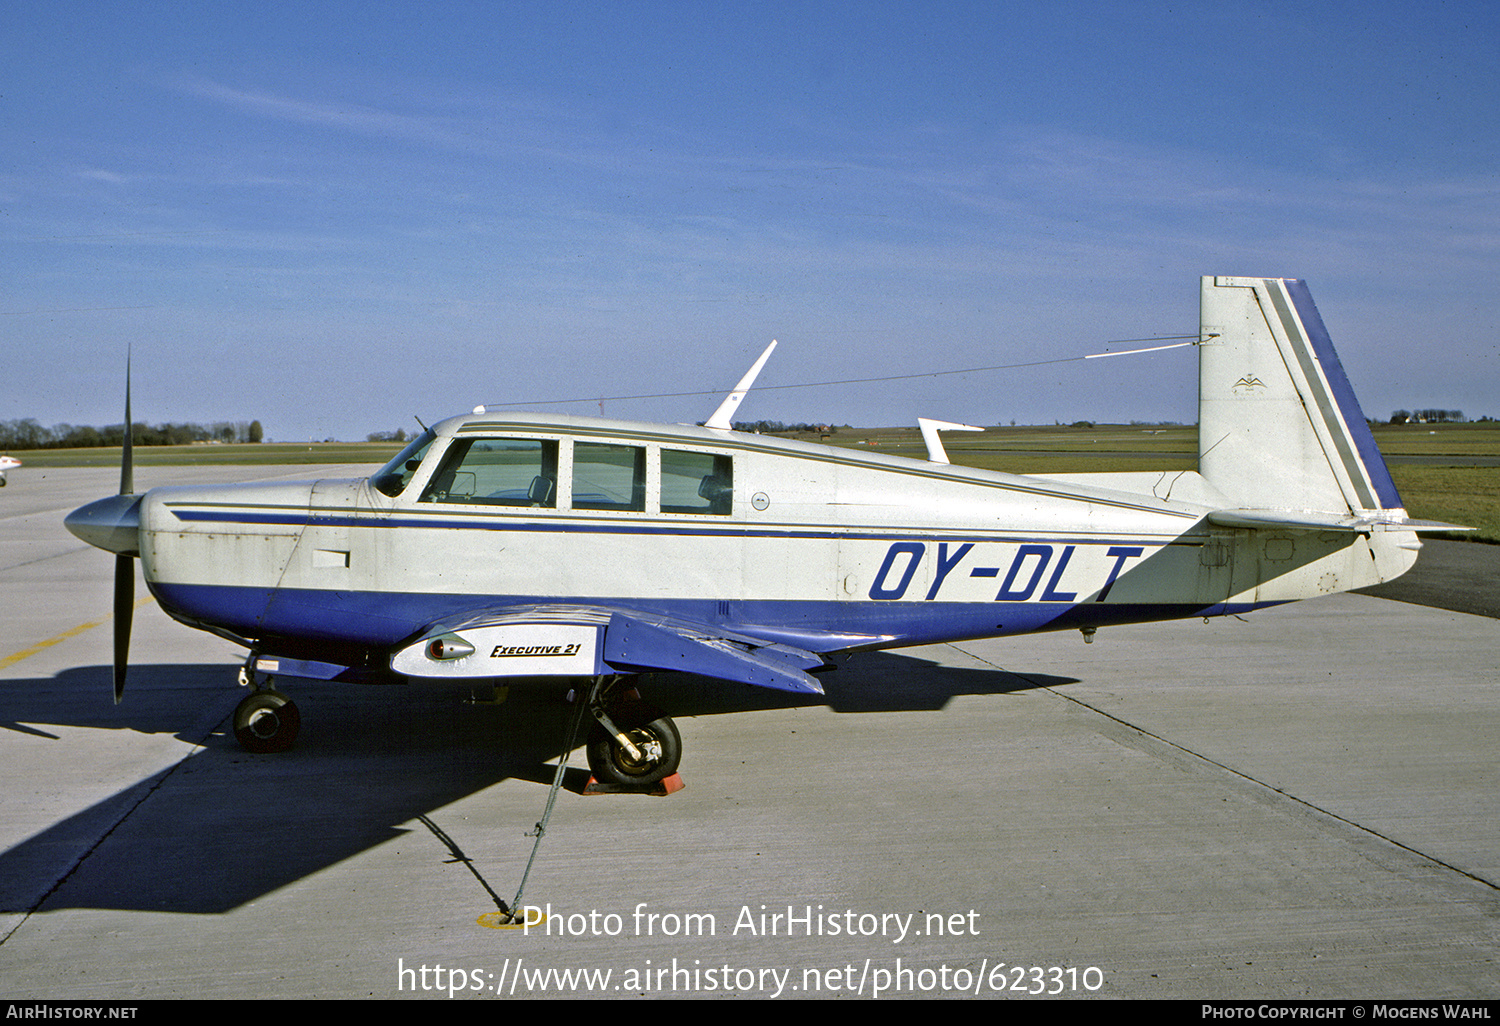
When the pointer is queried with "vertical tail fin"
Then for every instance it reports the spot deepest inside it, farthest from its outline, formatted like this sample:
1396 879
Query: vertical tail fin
1278 424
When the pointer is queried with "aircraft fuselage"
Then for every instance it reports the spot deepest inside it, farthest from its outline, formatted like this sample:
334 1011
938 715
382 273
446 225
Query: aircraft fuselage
806 545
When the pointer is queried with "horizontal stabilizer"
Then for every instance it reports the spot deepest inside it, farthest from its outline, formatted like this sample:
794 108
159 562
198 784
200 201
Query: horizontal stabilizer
1305 521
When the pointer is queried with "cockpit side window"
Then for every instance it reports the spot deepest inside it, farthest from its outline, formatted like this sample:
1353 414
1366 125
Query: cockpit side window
393 478
497 472
609 477
696 482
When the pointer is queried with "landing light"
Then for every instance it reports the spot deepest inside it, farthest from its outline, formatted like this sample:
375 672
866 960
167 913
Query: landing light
449 646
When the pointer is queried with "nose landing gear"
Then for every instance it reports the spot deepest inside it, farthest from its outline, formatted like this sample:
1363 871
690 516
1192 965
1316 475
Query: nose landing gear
265 720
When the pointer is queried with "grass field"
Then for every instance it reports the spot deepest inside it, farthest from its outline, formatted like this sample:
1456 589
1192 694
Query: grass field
1454 494
1432 491
266 454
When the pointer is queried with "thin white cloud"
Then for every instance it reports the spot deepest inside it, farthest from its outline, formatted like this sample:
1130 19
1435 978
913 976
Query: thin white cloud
347 117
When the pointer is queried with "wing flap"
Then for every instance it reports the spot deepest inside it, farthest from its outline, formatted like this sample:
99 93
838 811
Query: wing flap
632 644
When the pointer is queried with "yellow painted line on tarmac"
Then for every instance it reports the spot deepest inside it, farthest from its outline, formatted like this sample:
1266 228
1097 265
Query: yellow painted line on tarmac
42 646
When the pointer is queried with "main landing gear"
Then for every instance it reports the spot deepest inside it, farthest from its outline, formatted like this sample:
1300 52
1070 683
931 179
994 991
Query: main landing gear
632 743
265 720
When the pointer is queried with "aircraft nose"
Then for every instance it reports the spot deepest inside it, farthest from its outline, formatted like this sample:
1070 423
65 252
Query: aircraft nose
112 524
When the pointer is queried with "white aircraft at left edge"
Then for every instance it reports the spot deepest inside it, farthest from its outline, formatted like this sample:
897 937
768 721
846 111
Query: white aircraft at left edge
7 463
503 545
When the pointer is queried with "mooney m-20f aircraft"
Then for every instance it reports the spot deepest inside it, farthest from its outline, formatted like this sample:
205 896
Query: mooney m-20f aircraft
515 545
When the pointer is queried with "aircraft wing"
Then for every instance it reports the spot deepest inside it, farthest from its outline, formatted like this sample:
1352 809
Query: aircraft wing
564 640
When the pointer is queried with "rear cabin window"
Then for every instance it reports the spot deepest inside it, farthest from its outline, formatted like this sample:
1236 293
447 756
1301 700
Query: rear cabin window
609 477
696 482
497 472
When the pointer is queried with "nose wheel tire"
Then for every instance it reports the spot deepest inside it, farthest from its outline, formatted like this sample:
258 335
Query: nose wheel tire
654 736
266 721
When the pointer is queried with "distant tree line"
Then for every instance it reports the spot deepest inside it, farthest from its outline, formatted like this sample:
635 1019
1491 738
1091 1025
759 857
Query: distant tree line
398 435
28 434
1428 417
776 427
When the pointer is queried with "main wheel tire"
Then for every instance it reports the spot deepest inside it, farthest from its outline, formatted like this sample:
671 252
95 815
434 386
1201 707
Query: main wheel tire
266 721
654 734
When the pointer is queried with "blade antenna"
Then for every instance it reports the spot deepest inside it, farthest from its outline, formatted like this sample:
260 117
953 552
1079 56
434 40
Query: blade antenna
720 419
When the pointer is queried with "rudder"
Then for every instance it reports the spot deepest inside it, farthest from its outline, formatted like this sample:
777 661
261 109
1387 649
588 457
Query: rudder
1279 426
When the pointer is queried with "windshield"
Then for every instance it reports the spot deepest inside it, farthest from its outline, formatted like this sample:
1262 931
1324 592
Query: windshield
393 478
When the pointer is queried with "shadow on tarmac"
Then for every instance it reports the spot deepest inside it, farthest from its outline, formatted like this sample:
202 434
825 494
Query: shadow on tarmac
222 827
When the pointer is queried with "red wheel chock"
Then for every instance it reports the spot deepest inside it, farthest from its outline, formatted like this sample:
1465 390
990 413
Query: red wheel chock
660 789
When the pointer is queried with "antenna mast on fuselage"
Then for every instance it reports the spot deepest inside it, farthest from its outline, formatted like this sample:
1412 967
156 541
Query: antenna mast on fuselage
720 419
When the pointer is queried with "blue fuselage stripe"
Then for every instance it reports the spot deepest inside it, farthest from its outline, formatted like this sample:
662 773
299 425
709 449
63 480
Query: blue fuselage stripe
382 620
510 522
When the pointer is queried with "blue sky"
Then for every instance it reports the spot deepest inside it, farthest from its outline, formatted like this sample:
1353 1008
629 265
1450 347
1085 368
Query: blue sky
332 216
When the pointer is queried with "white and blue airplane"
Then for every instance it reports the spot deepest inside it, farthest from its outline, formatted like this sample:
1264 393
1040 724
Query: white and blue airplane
503 545
7 463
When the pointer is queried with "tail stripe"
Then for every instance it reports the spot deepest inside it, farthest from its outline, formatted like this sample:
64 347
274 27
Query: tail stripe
1322 412
1366 467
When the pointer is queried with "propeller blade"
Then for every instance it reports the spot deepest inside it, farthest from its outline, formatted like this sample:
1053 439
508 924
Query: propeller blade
124 610
127 461
124 565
